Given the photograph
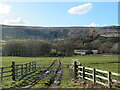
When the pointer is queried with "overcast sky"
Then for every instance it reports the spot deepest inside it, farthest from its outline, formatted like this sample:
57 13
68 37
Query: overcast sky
59 13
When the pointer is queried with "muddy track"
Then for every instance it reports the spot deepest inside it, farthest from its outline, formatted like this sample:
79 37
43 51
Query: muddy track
41 76
56 79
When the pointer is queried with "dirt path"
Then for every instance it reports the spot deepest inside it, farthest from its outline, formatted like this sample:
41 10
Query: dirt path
57 77
41 76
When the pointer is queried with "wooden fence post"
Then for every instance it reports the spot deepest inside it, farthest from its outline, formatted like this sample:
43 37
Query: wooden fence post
94 80
1 74
32 67
13 70
83 76
29 67
26 69
75 70
109 79
22 70
35 66
16 72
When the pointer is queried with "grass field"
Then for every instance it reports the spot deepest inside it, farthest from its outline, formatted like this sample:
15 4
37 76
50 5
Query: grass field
108 63
111 35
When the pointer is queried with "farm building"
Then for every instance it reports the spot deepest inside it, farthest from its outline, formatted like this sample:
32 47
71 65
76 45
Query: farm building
85 52
95 51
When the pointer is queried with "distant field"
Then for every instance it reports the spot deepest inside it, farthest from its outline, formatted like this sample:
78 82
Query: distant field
111 35
109 63
6 61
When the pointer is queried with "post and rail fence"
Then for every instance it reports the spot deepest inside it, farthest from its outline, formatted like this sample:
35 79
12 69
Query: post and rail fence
104 78
18 71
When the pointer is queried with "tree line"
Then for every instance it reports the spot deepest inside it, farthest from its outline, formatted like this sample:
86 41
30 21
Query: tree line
26 48
33 48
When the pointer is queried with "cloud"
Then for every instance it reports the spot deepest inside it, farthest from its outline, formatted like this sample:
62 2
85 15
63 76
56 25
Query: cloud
91 25
81 9
17 21
4 9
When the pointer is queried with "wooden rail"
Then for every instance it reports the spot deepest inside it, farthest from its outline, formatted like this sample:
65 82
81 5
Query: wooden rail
95 75
18 71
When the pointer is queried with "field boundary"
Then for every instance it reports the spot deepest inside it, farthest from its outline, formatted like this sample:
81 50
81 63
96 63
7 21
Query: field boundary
41 75
95 75
18 71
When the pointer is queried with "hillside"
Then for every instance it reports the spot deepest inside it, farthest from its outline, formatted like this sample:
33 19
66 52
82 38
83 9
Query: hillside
53 33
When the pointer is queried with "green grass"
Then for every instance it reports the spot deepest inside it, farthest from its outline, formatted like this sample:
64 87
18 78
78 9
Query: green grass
103 62
88 61
111 35
6 61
